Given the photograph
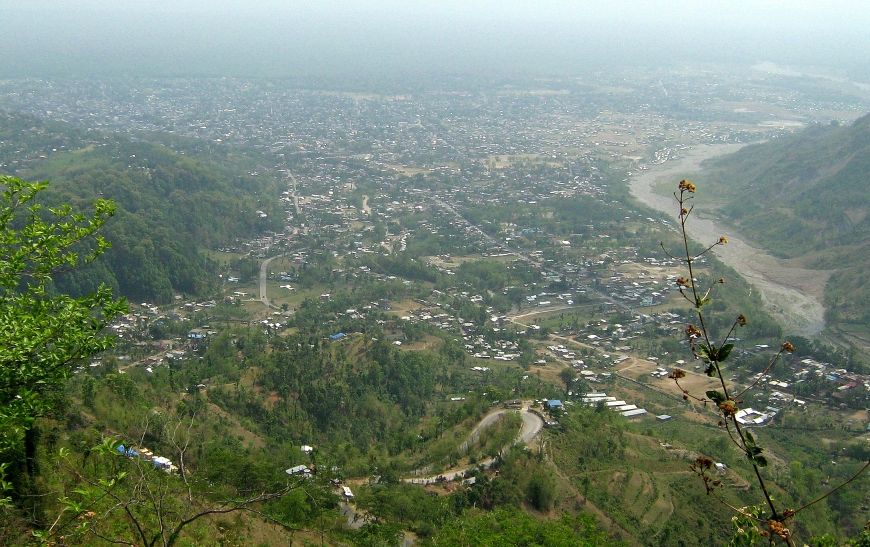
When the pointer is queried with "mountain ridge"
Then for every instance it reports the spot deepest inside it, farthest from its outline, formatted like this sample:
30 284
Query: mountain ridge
804 197
173 203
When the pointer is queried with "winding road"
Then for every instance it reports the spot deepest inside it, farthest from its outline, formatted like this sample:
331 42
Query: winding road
532 425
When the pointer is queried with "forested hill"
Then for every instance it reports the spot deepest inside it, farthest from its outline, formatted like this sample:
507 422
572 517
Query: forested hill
172 204
806 196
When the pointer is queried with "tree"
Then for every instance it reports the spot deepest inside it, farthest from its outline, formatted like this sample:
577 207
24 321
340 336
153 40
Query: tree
541 491
567 375
45 335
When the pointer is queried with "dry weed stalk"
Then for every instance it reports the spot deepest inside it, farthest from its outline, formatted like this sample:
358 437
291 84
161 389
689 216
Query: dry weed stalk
770 521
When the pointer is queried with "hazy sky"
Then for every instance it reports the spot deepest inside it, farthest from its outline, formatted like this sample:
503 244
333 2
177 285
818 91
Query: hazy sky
270 37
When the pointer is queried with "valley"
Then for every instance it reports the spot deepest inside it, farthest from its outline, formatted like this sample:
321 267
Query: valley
435 317
792 293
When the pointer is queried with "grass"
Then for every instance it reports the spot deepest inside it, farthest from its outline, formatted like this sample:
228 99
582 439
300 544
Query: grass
637 488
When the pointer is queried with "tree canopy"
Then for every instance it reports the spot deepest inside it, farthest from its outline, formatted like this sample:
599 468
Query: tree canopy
45 335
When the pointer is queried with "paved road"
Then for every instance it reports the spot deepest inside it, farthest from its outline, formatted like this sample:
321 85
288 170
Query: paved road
264 274
532 425
295 193
488 420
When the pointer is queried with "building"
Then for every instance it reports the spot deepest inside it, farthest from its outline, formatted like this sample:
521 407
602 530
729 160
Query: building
553 404
299 470
750 416
634 413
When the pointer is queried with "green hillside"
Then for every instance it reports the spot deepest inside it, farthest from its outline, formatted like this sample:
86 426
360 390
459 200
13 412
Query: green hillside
806 196
172 203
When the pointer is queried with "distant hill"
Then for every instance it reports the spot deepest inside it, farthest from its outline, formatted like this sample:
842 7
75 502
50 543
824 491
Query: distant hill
807 196
172 204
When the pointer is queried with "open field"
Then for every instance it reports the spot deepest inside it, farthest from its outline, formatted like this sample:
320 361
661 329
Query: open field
427 343
403 307
696 383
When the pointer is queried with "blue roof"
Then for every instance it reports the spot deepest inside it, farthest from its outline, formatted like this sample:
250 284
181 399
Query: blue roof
127 450
337 336
554 402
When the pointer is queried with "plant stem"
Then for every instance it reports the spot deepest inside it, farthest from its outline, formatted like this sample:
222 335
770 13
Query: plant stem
714 358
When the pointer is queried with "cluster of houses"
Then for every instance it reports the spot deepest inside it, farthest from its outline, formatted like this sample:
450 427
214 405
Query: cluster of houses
846 380
134 325
302 470
159 462
476 344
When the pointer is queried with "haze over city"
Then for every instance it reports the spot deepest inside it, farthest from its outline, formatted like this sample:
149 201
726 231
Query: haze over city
386 37
402 273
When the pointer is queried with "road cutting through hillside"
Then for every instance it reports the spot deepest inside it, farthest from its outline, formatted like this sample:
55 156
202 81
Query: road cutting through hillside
264 276
532 425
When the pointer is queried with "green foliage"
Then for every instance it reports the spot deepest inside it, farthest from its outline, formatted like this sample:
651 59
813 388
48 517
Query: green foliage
401 265
170 206
406 504
378 534
512 527
107 496
541 491
45 335
805 195
592 434
486 275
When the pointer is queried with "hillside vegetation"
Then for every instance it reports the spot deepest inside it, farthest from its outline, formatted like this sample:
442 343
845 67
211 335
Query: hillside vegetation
805 196
172 203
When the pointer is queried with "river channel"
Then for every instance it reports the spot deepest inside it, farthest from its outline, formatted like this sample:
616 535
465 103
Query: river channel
793 294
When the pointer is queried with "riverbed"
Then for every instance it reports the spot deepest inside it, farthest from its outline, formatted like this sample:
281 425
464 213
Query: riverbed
793 294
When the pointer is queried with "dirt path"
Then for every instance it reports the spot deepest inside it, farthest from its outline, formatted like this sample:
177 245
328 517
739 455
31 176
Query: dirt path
791 293
540 312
